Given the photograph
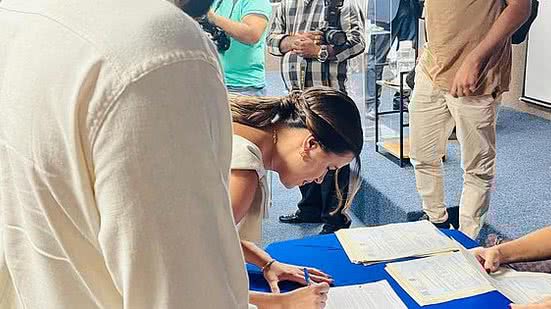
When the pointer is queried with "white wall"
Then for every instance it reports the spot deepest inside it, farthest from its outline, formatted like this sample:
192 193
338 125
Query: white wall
538 63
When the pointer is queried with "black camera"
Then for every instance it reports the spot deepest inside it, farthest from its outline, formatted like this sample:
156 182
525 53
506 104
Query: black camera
332 32
215 33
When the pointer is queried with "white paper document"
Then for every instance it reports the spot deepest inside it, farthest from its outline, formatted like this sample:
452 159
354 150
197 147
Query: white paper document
523 287
457 275
393 241
440 278
376 295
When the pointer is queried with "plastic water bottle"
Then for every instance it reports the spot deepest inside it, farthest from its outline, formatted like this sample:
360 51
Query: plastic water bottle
405 57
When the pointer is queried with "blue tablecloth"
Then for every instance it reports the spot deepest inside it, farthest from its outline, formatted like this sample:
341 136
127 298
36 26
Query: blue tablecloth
326 253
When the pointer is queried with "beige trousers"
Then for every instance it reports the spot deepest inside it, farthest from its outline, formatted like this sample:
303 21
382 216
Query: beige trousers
433 115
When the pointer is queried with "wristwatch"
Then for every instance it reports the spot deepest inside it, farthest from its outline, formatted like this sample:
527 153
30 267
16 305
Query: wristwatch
323 53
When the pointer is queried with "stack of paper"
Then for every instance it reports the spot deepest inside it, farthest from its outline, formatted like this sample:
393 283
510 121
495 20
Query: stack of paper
393 241
441 278
457 275
523 287
375 295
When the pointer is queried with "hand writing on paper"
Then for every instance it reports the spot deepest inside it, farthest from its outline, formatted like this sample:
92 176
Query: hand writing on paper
282 272
313 296
546 304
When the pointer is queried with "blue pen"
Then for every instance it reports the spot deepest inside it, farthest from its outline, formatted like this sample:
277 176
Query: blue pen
306 276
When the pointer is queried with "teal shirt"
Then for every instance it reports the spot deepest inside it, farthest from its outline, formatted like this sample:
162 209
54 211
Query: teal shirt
243 64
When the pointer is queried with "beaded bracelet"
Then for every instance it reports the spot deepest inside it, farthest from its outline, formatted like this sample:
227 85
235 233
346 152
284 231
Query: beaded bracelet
265 267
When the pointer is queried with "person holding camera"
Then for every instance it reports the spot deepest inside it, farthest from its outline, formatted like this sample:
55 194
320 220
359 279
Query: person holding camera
244 23
315 39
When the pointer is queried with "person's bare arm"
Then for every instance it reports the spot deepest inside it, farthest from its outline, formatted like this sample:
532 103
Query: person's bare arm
514 16
243 185
468 75
254 255
248 31
532 247
276 271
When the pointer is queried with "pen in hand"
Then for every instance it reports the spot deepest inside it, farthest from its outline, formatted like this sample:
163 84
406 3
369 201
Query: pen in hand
306 276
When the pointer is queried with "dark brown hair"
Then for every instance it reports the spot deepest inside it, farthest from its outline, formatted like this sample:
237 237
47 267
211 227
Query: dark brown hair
330 115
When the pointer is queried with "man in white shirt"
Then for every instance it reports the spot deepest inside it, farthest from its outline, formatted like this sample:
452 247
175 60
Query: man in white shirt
115 148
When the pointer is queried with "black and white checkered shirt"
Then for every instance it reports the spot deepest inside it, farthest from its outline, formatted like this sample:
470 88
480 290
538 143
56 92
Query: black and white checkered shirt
294 16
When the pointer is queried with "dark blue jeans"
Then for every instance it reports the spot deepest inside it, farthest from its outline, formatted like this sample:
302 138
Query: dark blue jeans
403 27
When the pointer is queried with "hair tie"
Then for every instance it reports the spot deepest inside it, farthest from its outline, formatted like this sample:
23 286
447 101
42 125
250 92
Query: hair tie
287 103
286 109
299 101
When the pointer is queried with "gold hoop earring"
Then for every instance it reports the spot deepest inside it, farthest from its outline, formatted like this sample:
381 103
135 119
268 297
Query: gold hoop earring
274 136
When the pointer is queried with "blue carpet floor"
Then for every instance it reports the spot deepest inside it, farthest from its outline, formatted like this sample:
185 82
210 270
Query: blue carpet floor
521 201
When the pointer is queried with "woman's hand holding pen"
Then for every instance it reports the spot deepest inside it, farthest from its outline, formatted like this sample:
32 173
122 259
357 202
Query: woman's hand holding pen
285 272
314 296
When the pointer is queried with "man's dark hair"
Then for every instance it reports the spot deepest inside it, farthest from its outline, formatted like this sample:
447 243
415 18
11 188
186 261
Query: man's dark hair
195 8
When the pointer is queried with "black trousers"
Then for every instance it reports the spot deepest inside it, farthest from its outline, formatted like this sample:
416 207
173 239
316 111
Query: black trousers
319 200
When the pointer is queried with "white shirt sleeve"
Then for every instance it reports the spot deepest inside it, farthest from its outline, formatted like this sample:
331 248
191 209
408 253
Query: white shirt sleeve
161 161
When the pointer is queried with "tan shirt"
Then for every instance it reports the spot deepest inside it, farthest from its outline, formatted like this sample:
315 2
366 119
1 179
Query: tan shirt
115 151
454 29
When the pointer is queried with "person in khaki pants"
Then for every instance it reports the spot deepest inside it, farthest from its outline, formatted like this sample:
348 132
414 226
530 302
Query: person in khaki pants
465 67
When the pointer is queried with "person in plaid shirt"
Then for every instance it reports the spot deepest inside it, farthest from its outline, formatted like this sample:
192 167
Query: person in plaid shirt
295 36
307 61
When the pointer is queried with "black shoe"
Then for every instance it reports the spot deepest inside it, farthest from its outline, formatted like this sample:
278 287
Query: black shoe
297 218
330 228
444 225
